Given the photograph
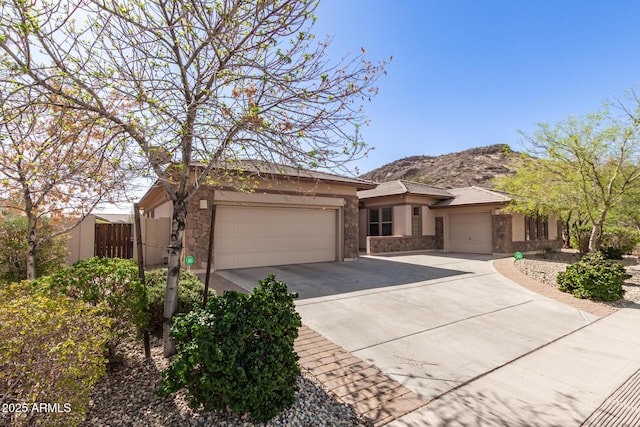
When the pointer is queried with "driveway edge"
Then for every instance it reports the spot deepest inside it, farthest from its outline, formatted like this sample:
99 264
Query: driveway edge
506 267
372 395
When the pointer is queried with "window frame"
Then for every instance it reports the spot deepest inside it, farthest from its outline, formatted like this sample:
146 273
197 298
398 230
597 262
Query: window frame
536 227
381 224
414 218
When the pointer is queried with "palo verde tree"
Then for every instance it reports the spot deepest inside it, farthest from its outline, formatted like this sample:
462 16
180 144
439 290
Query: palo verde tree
585 165
204 83
55 167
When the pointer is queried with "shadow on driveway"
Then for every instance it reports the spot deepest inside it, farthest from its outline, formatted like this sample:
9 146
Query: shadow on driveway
332 278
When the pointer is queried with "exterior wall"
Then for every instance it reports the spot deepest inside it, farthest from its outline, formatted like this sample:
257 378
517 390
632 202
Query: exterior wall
504 241
155 240
351 229
517 227
502 229
362 226
382 244
165 210
536 245
553 231
197 229
81 241
402 213
428 221
401 220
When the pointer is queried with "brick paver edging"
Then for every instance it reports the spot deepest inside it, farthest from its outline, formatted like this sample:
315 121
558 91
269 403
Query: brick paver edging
373 395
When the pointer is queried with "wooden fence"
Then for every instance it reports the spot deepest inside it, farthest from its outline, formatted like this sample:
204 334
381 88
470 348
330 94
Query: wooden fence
114 241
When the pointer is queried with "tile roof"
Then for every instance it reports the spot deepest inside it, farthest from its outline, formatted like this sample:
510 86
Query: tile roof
472 196
399 186
262 168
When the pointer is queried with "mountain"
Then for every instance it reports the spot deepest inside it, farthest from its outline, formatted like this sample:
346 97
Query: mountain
475 166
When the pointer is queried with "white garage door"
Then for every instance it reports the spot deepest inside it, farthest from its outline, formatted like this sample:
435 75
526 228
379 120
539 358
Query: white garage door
262 236
470 232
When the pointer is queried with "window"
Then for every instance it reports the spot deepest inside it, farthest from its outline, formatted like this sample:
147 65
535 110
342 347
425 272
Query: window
416 221
380 223
536 227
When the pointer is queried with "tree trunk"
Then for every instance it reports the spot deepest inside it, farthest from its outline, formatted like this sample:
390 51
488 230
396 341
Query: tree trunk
173 274
32 245
596 238
566 235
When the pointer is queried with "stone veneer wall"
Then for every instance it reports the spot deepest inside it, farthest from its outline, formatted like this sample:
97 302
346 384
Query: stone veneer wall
502 233
351 228
503 239
381 244
196 239
536 245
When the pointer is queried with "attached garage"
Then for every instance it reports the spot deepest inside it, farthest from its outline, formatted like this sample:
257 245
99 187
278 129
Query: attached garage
255 236
470 232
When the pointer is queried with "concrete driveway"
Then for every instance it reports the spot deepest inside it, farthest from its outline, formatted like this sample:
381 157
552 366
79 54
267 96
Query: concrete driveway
431 321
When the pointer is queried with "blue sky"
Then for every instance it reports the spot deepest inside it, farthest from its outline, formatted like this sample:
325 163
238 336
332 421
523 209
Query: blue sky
470 73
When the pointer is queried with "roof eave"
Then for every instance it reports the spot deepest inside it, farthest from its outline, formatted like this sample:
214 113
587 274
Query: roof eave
481 204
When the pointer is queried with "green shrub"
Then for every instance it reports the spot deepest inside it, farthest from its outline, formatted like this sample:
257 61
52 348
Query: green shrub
190 291
51 352
594 277
619 240
611 252
113 282
238 353
13 250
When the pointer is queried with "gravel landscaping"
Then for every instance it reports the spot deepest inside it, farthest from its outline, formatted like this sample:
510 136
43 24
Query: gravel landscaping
126 397
545 267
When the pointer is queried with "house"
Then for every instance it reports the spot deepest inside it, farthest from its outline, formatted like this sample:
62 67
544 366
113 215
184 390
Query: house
405 216
289 216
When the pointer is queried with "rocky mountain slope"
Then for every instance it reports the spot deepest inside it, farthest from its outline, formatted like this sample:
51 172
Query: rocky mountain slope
476 166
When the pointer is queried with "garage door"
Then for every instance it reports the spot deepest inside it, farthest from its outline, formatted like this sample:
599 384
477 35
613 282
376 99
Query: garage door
470 232
262 236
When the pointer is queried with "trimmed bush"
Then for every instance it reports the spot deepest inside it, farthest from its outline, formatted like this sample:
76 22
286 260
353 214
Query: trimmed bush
594 277
190 291
238 354
113 282
51 352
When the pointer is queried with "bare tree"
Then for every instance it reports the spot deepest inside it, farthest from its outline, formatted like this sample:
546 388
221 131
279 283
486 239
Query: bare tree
55 167
206 82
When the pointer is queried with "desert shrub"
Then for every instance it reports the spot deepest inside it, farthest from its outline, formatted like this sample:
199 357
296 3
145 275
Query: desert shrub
190 292
619 241
51 353
13 251
238 353
113 282
594 277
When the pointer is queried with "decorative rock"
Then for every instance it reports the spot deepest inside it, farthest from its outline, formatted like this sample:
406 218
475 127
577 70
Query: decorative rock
126 397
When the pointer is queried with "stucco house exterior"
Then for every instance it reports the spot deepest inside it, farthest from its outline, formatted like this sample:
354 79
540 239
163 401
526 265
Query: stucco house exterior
404 216
290 216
